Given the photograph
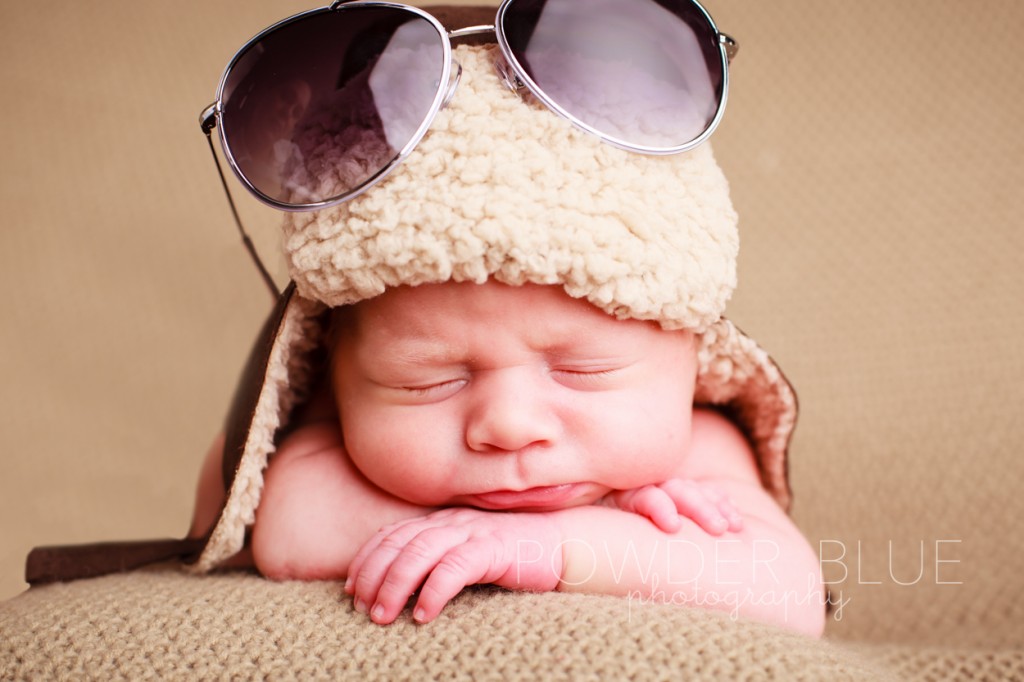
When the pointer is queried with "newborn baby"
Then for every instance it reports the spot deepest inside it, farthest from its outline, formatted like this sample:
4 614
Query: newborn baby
486 433
530 382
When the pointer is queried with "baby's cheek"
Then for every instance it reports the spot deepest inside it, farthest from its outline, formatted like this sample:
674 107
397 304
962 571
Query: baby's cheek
665 446
399 456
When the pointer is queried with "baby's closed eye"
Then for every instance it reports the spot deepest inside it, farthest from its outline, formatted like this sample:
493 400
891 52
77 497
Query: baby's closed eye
438 390
433 390
587 378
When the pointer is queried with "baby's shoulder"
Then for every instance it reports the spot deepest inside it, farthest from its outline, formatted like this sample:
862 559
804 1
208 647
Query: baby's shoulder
312 438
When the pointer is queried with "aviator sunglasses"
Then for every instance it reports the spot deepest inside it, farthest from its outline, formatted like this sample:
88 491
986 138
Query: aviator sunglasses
319 107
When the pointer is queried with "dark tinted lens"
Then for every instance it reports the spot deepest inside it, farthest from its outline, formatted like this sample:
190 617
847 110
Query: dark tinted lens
645 72
319 106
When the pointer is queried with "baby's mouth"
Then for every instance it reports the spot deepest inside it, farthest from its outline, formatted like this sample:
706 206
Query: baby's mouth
542 498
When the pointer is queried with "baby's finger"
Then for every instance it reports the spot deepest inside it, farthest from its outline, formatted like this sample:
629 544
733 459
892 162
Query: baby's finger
692 501
725 505
373 568
465 564
355 566
418 558
654 503
727 509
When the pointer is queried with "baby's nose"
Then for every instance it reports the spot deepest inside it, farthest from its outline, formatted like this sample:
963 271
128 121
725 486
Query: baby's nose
509 413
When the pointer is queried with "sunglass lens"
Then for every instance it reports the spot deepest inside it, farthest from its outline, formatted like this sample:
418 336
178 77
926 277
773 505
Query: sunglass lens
646 73
318 107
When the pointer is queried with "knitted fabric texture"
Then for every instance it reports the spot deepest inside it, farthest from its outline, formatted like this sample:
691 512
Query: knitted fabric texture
159 624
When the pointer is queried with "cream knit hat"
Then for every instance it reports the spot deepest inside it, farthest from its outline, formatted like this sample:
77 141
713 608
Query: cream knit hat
502 188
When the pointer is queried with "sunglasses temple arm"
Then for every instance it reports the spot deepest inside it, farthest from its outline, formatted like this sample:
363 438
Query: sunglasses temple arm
267 279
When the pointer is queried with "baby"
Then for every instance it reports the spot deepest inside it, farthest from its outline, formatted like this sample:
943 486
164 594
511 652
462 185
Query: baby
529 384
517 436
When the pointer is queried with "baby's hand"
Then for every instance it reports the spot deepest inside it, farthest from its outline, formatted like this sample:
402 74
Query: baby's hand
666 503
447 550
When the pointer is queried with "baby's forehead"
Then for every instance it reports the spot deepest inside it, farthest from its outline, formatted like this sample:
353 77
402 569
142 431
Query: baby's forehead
441 318
490 303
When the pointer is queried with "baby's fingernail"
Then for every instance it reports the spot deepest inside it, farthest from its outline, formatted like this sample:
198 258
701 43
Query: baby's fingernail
378 612
348 584
360 605
419 615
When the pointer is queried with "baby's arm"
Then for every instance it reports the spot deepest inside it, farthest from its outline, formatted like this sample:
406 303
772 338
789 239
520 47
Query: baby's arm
317 509
766 572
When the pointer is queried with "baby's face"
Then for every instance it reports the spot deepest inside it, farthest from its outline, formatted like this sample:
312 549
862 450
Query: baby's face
505 397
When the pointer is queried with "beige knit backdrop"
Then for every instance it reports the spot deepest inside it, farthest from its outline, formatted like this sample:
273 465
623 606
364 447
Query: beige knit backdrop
875 151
